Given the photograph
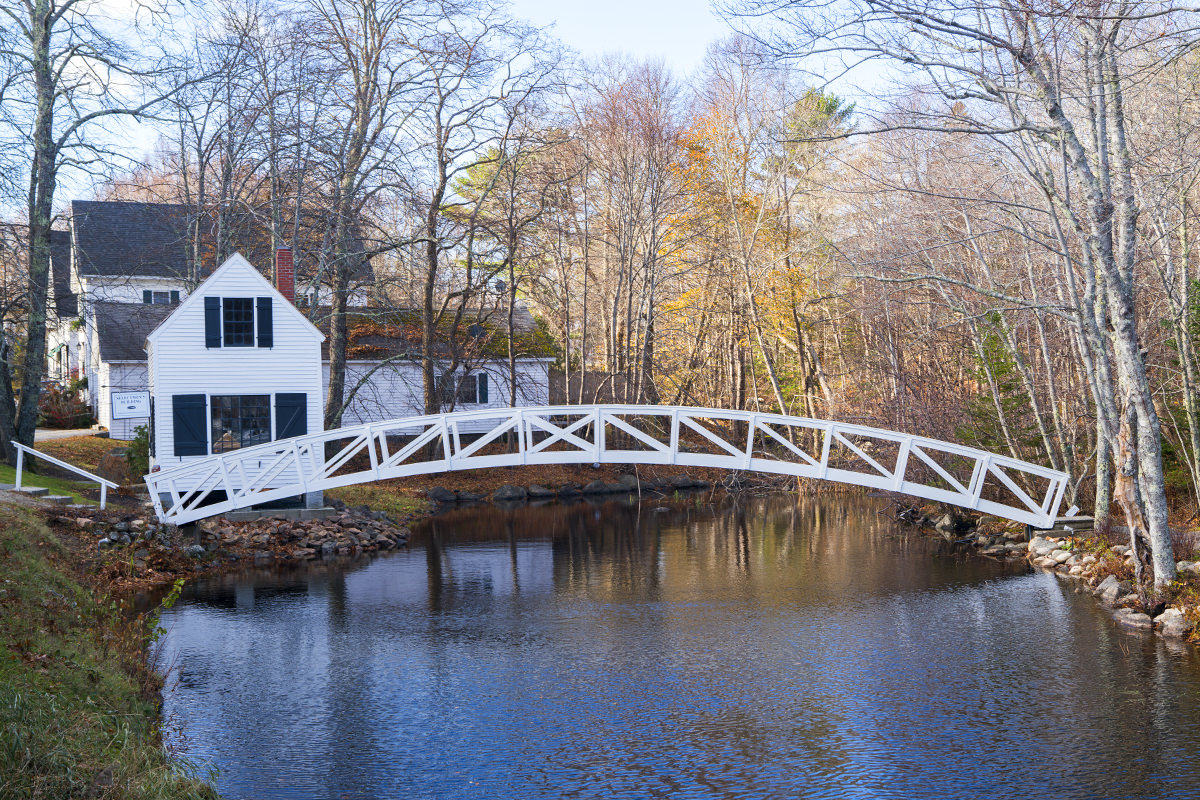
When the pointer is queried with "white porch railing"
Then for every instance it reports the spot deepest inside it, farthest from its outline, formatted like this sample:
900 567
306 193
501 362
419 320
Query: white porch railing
610 434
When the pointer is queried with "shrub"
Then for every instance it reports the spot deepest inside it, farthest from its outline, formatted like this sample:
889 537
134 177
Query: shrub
63 408
138 454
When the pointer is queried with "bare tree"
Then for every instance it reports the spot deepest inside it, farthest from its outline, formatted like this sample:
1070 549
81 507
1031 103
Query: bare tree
480 71
372 68
68 72
1052 84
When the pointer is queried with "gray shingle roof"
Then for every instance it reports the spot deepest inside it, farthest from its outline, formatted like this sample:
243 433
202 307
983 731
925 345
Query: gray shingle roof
122 328
131 239
66 302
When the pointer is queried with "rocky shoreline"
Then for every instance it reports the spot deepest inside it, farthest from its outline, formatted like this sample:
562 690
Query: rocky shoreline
1102 569
1106 571
134 550
131 549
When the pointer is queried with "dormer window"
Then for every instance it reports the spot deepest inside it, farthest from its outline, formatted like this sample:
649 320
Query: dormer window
151 297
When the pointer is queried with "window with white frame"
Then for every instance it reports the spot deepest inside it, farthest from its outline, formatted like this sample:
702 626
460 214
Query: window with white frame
237 317
154 297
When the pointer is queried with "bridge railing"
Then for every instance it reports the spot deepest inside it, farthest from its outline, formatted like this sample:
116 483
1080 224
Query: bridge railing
611 434
21 449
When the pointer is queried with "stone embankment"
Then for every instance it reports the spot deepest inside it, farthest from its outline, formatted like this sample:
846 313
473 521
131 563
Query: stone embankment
344 534
137 550
1106 571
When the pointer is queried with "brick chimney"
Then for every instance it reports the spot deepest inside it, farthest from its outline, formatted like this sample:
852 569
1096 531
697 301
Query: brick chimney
285 274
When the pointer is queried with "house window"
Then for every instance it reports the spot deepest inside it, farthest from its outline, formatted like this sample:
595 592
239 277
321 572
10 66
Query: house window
230 321
464 390
237 317
159 298
240 421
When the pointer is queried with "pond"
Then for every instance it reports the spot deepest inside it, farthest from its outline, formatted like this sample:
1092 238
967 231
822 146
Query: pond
779 647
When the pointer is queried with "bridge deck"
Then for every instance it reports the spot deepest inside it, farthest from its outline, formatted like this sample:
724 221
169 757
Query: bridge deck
611 434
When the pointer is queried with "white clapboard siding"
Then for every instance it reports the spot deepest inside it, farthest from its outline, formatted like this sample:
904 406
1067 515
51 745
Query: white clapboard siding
120 377
128 289
396 390
181 364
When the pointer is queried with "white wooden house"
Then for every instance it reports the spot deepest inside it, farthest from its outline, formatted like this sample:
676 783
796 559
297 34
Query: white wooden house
383 366
116 273
234 365
118 270
123 283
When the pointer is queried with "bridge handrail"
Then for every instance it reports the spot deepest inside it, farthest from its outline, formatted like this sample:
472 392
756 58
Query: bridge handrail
314 471
105 484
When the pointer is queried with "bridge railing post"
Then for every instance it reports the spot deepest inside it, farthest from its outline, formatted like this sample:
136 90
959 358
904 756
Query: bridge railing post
750 441
675 436
522 445
902 462
825 447
601 444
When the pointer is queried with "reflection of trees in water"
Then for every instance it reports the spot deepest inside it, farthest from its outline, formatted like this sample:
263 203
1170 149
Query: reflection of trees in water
624 549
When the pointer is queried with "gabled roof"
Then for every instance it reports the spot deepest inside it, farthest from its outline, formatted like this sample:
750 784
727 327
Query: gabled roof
122 328
235 263
66 302
123 238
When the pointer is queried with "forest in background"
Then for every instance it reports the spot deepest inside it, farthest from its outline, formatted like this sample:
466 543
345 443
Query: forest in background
996 249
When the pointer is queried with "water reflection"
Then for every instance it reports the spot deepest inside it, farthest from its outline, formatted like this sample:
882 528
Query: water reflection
780 648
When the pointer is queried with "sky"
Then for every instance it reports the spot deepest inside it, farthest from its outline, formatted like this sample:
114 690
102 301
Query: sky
676 31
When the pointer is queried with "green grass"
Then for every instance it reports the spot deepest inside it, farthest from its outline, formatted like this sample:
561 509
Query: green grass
398 503
8 474
78 703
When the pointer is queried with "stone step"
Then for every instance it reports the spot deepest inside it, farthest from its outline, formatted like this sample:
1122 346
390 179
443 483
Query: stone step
34 491
58 499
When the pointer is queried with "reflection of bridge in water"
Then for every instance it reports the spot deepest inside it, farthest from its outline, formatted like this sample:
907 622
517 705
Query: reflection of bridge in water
611 434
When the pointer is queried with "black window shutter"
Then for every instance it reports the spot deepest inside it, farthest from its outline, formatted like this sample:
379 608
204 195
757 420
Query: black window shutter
147 296
266 334
189 412
483 387
291 415
174 296
212 322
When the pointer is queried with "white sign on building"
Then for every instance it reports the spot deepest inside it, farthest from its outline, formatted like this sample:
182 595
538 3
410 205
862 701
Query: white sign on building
130 405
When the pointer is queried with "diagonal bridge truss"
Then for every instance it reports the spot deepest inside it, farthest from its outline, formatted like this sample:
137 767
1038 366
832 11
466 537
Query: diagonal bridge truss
610 434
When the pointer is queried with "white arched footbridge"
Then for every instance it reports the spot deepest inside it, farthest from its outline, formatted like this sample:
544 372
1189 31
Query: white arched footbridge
610 434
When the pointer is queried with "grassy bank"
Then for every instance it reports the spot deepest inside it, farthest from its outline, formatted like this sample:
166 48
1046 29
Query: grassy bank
75 489
82 451
78 699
